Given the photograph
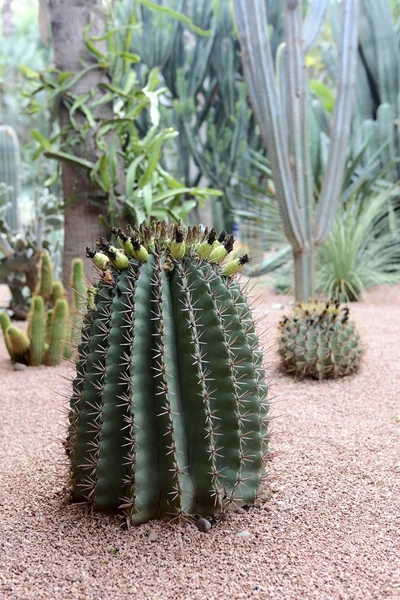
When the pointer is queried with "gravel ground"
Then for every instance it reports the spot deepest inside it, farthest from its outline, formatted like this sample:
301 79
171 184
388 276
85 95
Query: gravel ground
329 530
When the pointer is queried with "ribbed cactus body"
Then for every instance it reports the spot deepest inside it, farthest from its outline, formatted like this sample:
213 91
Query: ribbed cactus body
54 353
79 293
319 340
45 282
10 173
37 332
169 409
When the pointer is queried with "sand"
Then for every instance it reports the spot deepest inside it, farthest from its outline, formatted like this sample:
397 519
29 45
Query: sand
329 530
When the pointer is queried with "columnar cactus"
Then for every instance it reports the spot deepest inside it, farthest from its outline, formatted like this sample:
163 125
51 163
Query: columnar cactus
319 340
10 173
169 411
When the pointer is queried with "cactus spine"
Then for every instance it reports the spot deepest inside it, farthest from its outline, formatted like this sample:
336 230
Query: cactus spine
10 173
169 410
284 124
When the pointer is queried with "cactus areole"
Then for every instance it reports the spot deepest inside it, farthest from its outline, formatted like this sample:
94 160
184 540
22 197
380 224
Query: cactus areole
169 412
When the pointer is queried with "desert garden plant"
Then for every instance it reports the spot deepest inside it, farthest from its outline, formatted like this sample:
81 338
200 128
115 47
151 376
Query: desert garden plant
169 409
282 113
51 336
319 340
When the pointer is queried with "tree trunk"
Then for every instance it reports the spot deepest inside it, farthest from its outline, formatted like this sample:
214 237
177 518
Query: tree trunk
82 227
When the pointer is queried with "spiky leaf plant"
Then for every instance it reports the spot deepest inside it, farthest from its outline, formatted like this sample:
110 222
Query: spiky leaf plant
169 412
319 340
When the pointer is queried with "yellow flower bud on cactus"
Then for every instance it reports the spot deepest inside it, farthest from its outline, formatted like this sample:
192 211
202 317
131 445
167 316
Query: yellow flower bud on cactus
234 266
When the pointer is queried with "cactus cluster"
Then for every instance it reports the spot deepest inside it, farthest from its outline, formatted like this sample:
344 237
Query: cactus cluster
169 412
48 338
319 340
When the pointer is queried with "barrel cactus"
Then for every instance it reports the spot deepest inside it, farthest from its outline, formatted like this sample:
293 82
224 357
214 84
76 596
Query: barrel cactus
319 340
169 412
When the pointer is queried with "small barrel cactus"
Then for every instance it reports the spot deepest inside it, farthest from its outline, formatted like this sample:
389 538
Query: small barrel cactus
169 412
319 340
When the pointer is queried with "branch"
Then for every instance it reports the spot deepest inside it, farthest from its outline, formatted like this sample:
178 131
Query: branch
345 83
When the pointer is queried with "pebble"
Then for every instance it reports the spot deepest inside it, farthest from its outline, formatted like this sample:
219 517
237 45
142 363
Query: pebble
203 525
153 536
276 306
19 367
243 534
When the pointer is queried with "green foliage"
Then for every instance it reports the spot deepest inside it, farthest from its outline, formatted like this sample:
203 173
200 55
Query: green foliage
362 250
127 167
204 96
169 405
320 341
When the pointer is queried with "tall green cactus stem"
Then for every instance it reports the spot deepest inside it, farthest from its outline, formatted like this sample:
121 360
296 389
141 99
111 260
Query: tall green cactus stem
57 292
287 135
45 282
5 323
79 293
10 173
169 411
37 332
54 353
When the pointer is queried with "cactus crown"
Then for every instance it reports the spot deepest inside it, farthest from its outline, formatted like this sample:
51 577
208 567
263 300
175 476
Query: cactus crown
169 413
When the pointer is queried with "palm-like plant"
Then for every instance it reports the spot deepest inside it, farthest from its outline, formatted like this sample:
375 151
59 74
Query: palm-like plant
362 250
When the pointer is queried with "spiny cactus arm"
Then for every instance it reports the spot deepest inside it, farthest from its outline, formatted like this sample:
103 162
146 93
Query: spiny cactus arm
112 467
200 420
246 397
252 24
45 282
87 400
54 353
345 81
141 497
5 323
176 482
58 292
37 332
240 302
313 22
77 387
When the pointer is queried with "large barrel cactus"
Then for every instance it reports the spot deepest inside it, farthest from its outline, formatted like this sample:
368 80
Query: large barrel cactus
169 412
319 340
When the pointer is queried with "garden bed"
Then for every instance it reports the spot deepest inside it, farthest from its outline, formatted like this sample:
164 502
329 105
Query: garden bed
330 528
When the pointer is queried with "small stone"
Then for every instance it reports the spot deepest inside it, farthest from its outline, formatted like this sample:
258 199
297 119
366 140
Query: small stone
203 525
243 534
276 306
186 538
19 367
153 536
